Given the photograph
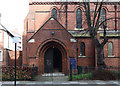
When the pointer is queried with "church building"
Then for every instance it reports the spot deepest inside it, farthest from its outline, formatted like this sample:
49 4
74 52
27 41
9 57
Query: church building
53 38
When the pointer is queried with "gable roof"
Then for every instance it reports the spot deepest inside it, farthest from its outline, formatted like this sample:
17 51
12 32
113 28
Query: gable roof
45 24
4 29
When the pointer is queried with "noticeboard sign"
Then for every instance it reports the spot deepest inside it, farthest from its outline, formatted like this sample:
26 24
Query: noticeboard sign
73 62
15 39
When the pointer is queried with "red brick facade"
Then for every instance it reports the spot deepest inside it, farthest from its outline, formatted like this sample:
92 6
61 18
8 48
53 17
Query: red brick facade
41 32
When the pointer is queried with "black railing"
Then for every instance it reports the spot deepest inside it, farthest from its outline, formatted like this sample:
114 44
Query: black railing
31 73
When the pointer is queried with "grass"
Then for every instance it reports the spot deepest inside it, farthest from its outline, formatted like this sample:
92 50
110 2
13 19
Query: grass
81 76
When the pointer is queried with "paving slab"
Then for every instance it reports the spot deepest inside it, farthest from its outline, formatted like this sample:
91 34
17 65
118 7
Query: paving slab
65 83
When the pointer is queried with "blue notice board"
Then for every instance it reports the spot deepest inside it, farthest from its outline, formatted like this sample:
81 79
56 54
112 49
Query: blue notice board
72 60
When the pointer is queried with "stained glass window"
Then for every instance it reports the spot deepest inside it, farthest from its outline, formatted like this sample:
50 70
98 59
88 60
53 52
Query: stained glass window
110 49
78 18
103 17
82 49
54 13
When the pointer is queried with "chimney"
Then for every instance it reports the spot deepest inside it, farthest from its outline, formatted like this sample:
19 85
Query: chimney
30 1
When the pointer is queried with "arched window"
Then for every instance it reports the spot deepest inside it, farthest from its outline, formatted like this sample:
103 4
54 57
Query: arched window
103 17
78 18
82 49
54 13
110 49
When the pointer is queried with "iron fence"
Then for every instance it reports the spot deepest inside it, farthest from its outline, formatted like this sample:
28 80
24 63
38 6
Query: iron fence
31 73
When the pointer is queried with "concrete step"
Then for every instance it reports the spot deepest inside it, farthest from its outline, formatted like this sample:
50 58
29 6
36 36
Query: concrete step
52 77
53 74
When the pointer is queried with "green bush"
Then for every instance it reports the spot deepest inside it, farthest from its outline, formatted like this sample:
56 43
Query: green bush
81 76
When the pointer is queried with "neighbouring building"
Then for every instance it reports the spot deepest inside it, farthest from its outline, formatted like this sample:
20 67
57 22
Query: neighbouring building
50 46
19 44
5 38
7 47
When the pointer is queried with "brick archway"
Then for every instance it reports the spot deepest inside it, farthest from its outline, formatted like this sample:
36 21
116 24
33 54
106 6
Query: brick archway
41 54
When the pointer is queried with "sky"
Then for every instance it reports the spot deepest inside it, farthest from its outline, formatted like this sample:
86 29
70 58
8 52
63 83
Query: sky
13 13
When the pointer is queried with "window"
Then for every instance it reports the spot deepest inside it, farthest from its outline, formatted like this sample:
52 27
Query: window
1 58
1 37
82 49
103 17
54 13
27 25
78 18
110 49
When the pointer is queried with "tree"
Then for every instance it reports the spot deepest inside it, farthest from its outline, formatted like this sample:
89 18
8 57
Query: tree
93 26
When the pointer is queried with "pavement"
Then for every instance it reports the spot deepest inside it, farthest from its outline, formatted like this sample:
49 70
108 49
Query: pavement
63 83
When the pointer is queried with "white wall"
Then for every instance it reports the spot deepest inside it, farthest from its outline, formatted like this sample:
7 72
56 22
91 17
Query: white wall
1 36
8 42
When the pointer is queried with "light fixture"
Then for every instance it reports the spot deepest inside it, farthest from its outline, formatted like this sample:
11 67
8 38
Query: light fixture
52 33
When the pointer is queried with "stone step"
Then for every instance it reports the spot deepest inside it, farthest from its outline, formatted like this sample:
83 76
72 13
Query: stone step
53 74
52 77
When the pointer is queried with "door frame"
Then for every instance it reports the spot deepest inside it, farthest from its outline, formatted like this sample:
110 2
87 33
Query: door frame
49 56
43 49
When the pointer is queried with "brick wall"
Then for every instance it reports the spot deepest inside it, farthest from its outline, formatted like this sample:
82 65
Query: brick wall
12 58
37 21
44 12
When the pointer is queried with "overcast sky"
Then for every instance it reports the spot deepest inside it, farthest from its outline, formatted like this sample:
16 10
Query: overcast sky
14 12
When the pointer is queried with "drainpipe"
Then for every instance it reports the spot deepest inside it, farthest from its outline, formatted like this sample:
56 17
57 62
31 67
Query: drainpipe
8 57
115 6
66 7
77 55
94 56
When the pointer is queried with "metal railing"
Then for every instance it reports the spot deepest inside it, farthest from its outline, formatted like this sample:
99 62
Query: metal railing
31 73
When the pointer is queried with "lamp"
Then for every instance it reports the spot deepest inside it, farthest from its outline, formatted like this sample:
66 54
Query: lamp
52 33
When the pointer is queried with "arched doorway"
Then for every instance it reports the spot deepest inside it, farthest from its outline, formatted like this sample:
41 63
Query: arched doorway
52 60
58 59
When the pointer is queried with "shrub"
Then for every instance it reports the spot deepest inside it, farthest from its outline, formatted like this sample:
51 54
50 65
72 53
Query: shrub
103 75
22 73
117 73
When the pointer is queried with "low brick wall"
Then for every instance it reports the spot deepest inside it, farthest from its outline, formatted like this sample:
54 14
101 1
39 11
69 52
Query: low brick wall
12 58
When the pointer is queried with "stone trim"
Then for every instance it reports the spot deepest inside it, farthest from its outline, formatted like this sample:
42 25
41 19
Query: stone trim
82 56
112 57
32 57
70 3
